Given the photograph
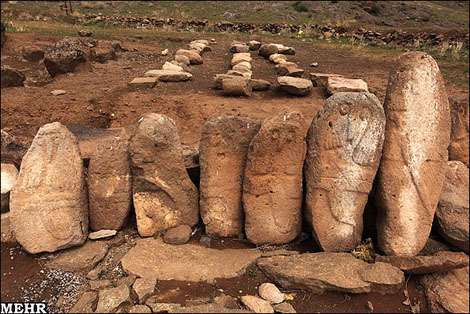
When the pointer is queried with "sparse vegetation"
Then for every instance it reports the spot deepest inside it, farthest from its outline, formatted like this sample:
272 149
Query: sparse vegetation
300 7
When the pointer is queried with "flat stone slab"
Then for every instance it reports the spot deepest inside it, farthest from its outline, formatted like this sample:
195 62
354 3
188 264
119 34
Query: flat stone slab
142 83
152 258
320 272
169 75
295 85
337 84
439 262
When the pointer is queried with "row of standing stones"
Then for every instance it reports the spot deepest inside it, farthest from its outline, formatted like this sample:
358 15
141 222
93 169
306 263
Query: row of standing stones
251 174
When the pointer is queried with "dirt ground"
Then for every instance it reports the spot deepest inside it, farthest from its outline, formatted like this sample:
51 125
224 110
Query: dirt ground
97 96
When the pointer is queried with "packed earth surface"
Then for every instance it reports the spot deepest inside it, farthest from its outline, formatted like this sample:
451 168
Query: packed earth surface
185 267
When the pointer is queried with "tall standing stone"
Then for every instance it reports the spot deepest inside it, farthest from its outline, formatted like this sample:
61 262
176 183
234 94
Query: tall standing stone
344 148
109 179
164 196
272 186
412 170
222 155
48 205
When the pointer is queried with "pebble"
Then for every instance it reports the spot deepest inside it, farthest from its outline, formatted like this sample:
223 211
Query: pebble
314 64
165 52
58 92
104 233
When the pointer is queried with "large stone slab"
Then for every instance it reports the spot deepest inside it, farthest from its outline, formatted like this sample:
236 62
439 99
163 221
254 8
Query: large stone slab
109 178
321 272
48 205
440 262
336 84
453 209
272 186
164 196
412 169
139 83
294 85
152 258
344 148
447 292
169 75
222 155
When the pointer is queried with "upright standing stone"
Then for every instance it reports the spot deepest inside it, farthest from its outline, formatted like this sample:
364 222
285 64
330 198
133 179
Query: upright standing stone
222 155
344 149
109 180
272 186
164 196
48 205
412 170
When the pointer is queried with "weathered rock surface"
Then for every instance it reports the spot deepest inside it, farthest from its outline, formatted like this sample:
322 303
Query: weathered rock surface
284 308
82 258
49 198
101 234
256 304
8 176
144 287
459 145
453 209
103 53
277 58
218 78
7 235
320 272
182 59
169 66
100 284
237 86
270 293
253 44
11 77
85 303
109 177
239 47
142 83
177 235
321 79
65 55
260 85
192 55
289 69
223 150
337 84
344 148
152 258
266 50
140 308
272 184
169 75
245 73
164 196
110 299
447 292
418 265
32 53
295 85
412 169
240 57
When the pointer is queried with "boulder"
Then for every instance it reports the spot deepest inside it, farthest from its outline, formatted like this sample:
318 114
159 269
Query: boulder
453 208
260 85
169 75
83 258
218 78
236 86
101 234
110 299
257 305
177 235
289 69
85 303
199 47
152 258
243 73
32 53
459 145
277 58
336 84
284 308
49 198
103 54
286 50
294 85
412 170
253 44
238 47
268 49
144 287
7 235
164 196
240 57
344 148
192 55
8 177
200 41
182 59
447 292
11 77
242 67
66 54
271 293
342 272
139 83
223 149
418 265
272 183
109 177
168 66
321 79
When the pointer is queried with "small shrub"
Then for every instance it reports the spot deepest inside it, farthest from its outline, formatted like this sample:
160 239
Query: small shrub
300 7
